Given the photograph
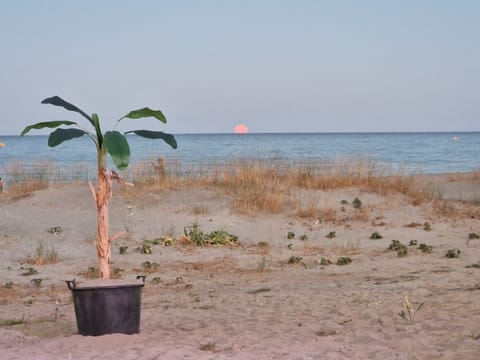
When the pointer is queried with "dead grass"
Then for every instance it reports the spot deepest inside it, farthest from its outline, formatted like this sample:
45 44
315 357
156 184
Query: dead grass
253 184
45 253
22 181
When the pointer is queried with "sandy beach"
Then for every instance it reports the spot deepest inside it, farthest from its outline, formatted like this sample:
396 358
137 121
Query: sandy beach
278 294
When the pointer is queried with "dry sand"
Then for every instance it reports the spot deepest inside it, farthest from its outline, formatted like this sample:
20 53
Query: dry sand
246 302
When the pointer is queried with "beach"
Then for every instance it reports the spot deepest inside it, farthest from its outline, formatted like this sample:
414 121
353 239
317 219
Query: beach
297 285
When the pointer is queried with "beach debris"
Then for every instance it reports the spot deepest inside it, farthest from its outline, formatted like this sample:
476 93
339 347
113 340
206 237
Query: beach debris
290 235
453 253
476 265
123 250
325 332
55 230
357 203
375 236
259 290
168 241
408 310
413 225
344 261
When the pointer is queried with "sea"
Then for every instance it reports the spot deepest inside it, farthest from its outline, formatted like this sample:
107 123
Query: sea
425 152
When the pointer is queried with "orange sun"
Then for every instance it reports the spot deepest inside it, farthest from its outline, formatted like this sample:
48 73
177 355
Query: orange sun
240 129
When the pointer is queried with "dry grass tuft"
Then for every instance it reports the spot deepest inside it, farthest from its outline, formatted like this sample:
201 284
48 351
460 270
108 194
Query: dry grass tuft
255 185
22 181
44 254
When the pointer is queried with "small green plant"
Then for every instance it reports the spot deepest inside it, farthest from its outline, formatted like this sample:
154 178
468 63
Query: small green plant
123 250
146 249
425 248
427 226
325 262
295 259
473 236
221 237
304 237
37 282
13 322
474 336
194 235
209 346
290 235
357 203
402 252
344 202
55 230
29 271
8 285
453 253
397 246
413 243
343 261
149 266
375 236
263 245
156 280
331 235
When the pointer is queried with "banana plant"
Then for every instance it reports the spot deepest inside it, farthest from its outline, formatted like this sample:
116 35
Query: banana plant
111 143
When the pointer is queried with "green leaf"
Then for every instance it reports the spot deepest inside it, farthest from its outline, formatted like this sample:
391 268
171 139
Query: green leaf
46 124
168 138
58 101
146 112
96 124
60 135
117 147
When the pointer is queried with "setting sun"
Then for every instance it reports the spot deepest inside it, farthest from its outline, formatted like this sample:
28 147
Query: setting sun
240 129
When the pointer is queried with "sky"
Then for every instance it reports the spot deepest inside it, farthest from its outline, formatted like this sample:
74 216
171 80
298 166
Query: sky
273 65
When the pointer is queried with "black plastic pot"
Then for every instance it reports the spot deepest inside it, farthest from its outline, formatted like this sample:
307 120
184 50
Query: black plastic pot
107 306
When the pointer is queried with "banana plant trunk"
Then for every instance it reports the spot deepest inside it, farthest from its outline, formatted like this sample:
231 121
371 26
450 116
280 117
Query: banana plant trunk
101 197
103 240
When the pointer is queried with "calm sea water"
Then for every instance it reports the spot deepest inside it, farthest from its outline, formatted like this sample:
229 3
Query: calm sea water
426 152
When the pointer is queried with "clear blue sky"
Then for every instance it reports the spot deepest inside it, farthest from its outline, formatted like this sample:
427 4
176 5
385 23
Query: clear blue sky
275 65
